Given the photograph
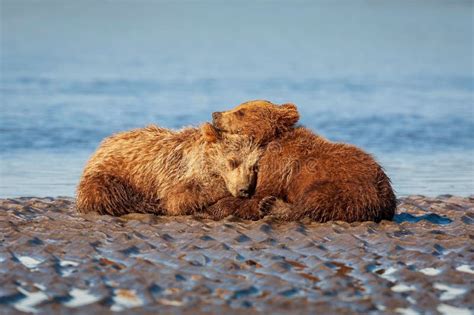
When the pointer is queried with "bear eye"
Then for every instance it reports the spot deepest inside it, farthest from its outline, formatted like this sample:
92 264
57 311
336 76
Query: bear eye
255 168
240 113
233 163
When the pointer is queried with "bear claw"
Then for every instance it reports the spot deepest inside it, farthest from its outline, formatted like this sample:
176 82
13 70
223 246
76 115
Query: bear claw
266 204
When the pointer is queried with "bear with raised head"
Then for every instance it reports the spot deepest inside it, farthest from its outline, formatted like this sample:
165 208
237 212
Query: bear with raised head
165 172
302 174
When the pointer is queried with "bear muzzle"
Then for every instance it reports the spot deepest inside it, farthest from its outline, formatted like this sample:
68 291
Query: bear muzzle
244 193
248 191
216 116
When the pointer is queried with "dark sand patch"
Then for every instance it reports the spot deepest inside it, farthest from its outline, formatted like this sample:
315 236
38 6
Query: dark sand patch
54 261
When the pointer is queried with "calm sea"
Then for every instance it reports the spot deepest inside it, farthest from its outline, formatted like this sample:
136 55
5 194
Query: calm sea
393 77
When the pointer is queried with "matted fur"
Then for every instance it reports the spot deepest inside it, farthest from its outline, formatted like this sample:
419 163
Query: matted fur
261 120
304 175
157 170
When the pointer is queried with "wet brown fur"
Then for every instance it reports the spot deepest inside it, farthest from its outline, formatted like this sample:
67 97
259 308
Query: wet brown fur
160 171
304 175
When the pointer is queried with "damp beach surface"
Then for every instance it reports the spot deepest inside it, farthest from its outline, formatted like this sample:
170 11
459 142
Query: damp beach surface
54 260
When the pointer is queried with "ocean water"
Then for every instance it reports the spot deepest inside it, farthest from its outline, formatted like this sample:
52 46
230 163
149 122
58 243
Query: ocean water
395 78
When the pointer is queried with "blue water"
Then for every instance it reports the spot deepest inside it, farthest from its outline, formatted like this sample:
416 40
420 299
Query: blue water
395 78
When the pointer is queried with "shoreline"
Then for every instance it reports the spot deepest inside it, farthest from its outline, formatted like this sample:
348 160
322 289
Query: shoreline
55 260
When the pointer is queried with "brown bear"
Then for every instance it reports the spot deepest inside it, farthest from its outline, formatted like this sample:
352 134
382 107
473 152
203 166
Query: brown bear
304 175
165 172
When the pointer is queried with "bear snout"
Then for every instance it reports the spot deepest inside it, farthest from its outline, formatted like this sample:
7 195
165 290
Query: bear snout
248 191
215 119
244 193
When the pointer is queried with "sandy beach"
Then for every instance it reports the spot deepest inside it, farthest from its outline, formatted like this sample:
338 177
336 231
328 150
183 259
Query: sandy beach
54 260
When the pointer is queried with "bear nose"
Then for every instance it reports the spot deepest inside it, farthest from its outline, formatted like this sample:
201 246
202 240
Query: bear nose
216 115
244 192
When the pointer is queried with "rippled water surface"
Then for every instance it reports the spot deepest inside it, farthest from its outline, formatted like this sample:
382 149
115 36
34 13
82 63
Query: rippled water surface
393 78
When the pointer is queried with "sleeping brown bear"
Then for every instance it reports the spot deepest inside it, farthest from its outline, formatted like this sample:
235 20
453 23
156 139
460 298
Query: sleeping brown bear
302 174
166 172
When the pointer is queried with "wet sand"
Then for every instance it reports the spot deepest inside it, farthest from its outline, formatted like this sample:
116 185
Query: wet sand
54 260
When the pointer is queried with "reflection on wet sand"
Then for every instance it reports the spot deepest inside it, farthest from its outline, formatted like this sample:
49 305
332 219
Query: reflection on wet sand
53 259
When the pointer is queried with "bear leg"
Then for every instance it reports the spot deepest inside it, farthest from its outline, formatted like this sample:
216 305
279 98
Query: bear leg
108 194
246 209
185 198
278 209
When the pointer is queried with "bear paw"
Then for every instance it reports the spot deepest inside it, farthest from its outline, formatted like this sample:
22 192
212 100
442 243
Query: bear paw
266 205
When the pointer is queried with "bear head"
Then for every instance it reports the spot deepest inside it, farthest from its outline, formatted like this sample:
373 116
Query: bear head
259 119
234 158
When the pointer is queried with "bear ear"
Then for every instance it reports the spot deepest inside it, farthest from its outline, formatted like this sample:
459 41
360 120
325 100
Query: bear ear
209 133
289 114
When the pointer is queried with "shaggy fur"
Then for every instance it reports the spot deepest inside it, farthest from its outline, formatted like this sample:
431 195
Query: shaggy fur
261 120
156 170
304 175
